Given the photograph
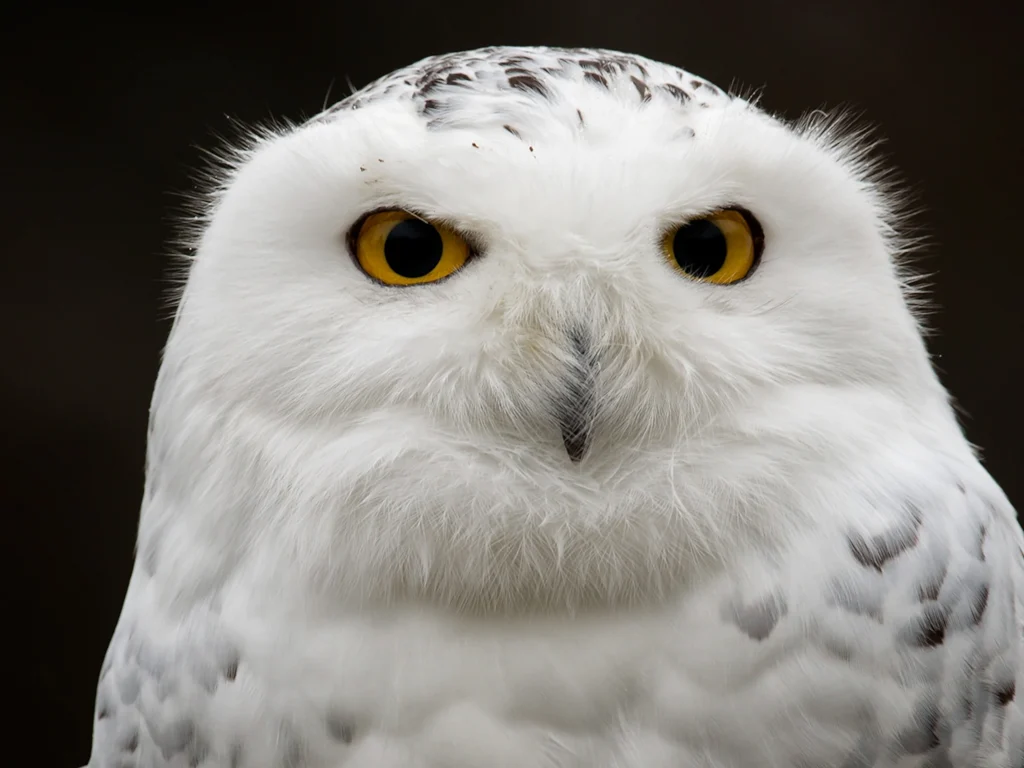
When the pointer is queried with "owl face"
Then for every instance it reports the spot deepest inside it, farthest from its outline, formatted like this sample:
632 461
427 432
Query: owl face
514 324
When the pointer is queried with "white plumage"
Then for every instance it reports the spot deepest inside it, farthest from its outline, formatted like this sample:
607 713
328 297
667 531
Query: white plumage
567 507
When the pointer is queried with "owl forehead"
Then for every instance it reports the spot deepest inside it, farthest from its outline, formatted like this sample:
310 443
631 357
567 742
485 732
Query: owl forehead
458 89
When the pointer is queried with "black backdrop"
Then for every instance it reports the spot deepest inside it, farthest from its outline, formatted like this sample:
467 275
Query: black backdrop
105 108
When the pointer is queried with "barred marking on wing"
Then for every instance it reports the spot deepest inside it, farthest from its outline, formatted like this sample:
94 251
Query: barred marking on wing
947 590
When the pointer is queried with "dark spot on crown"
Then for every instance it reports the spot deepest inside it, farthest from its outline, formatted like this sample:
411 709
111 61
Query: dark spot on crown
431 84
512 130
695 84
599 65
528 83
516 61
580 116
457 77
593 77
676 92
430 106
641 87
433 74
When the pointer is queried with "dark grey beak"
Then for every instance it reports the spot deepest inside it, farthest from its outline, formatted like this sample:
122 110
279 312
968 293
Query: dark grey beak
576 402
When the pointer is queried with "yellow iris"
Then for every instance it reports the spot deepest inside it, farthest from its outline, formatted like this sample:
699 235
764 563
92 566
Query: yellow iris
400 248
721 247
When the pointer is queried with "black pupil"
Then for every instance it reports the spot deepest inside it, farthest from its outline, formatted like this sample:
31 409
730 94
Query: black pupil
700 248
413 248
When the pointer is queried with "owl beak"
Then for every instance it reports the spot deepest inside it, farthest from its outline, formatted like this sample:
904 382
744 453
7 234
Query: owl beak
575 406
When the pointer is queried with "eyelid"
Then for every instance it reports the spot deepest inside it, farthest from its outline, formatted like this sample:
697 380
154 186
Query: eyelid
477 243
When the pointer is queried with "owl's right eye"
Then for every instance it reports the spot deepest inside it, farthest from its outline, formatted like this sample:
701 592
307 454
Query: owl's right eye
400 248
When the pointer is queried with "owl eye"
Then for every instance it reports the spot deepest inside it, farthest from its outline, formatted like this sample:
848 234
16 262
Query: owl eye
400 248
722 247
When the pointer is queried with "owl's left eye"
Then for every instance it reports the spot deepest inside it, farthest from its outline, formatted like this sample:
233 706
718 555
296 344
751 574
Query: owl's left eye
722 247
400 248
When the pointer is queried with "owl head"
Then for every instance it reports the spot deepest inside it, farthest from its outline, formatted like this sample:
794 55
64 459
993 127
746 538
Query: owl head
522 327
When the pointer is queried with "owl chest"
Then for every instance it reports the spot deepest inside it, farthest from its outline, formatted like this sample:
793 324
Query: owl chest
650 691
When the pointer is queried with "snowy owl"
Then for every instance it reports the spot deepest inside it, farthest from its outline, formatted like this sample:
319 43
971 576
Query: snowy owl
556 408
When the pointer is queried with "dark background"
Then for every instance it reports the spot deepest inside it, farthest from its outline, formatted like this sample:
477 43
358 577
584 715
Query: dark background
104 111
